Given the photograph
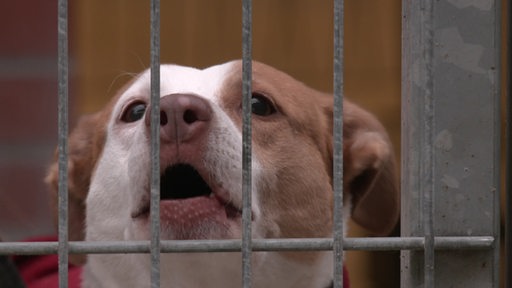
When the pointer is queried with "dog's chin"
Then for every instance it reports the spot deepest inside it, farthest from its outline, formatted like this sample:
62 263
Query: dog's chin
190 208
202 217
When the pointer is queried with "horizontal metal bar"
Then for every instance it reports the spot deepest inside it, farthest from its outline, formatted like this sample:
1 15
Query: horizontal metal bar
295 244
28 248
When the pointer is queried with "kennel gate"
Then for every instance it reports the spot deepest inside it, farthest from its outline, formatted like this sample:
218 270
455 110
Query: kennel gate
450 159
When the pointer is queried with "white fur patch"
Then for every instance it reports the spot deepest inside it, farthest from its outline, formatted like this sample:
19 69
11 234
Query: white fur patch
121 178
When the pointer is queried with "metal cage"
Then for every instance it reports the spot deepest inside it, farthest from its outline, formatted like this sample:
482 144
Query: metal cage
451 68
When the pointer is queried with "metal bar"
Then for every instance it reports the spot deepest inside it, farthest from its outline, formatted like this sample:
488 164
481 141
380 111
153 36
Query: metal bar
338 145
508 150
285 244
155 144
246 138
497 137
319 244
63 66
428 167
465 133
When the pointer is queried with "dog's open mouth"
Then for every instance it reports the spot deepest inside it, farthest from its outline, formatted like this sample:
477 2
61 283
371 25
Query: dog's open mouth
182 181
187 199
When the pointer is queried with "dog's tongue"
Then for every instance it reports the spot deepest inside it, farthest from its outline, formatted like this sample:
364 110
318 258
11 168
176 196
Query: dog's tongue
191 212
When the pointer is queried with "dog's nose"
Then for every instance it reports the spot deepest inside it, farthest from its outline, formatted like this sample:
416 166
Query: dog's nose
182 117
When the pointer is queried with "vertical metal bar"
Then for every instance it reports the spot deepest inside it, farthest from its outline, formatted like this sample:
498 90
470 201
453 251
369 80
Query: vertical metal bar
246 138
63 65
155 144
427 169
508 150
338 144
497 137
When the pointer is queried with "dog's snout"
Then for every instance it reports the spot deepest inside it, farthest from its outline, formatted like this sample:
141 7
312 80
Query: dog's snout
182 117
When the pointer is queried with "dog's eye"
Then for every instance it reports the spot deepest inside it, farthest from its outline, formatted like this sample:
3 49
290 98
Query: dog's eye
262 106
134 112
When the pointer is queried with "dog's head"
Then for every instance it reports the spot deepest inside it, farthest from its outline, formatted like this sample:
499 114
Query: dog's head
201 160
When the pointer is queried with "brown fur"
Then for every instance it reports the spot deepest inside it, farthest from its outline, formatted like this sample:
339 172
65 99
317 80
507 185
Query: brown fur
85 146
369 167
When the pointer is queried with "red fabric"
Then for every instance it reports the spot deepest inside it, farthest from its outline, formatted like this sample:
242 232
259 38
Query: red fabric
346 283
42 271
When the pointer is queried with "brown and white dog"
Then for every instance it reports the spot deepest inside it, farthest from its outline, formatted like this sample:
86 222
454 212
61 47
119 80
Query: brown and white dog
201 161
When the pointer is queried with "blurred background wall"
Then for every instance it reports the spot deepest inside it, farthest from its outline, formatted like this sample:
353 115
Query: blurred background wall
28 130
109 40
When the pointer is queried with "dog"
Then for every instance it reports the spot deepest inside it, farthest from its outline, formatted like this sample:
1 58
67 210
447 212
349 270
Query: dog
201 176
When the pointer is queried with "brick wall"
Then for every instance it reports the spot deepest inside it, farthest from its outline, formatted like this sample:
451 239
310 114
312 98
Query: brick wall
28 119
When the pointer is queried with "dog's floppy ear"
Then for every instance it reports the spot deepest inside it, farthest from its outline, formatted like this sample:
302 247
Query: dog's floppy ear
370 176
83 150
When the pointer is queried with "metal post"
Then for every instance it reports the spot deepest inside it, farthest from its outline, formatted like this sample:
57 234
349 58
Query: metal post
427 168
461 139
508 152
